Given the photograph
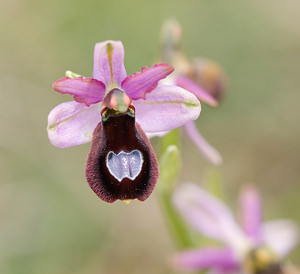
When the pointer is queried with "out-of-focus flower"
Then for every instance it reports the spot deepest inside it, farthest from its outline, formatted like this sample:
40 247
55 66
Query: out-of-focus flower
208 75
202 77
255 247
114 110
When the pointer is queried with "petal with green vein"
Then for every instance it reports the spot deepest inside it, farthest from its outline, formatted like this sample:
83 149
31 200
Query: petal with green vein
166 108
72 123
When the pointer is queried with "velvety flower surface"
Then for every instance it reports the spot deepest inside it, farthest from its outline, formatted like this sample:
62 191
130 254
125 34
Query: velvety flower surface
254 247
114 110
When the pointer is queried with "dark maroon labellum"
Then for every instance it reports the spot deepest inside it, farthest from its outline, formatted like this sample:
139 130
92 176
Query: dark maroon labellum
121 164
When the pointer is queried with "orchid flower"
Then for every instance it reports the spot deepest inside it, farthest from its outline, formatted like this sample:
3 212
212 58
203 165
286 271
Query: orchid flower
208 76
251 248
114 111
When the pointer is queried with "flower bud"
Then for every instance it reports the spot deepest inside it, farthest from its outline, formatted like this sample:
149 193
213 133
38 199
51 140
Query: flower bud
209 76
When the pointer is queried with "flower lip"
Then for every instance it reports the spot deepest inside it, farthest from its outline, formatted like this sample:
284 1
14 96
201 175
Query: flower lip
121 164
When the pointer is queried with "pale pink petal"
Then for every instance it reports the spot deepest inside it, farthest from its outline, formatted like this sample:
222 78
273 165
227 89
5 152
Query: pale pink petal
209 216
72 124
109 63
140 83
201 94
166 108
281 236
251 213
201 259
85 90
208 151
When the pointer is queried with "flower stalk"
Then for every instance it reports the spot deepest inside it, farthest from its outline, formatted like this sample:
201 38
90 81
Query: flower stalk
170 165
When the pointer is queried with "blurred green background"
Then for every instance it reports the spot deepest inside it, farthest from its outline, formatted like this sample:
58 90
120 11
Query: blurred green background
50 220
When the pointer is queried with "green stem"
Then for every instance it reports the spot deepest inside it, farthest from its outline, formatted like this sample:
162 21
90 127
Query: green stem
170 164
174 223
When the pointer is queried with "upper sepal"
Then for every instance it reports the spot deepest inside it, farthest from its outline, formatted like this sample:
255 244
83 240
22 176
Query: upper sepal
251 213
109 63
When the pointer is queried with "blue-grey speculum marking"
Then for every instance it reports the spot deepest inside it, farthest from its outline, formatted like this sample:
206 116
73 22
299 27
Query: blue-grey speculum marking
124 164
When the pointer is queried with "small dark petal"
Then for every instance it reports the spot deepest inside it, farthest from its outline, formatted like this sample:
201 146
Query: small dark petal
120 135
